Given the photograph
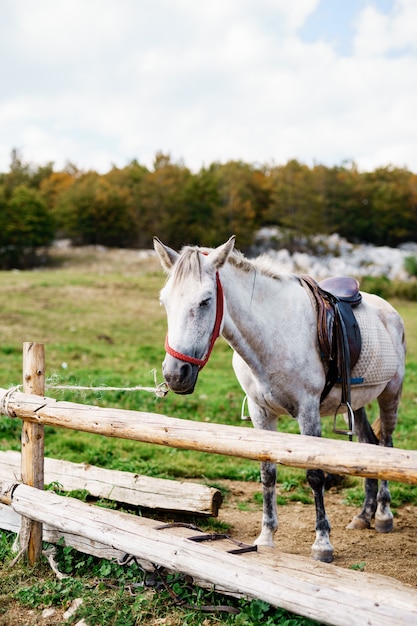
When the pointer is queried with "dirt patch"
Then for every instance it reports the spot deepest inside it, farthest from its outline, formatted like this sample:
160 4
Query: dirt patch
392 554
20 616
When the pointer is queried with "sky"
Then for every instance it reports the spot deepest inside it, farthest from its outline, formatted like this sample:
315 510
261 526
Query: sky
98 83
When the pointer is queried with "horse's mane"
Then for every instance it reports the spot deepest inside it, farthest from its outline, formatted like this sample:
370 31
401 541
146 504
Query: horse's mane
189 262
263 264
190 259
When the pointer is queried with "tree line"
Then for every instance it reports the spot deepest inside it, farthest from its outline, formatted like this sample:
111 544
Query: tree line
126 206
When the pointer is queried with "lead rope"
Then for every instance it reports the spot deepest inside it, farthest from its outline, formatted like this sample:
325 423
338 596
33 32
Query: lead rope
4 406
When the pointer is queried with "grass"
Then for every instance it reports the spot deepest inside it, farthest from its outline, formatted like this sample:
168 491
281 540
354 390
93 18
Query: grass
118 595
102 325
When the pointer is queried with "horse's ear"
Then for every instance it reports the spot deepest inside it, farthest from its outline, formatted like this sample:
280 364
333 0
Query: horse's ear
167 256
219 256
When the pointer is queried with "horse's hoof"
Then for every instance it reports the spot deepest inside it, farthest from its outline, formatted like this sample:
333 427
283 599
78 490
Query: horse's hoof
384 525
323 555
358 523
265 539
322 549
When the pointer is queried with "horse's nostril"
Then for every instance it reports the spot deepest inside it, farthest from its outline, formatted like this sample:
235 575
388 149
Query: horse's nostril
177 372
180 377
185 371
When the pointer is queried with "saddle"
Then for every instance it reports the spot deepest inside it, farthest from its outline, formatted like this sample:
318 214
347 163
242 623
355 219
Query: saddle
338 330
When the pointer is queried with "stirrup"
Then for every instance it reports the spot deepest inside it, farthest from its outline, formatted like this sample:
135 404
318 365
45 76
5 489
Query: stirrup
351 421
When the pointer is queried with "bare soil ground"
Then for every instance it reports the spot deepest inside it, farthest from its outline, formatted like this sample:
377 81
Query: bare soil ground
391 554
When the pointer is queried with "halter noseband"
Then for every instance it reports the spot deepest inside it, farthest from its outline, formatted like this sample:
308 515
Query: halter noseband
216 332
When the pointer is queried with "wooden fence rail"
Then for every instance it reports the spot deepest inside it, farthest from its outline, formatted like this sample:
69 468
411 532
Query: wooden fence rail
336 456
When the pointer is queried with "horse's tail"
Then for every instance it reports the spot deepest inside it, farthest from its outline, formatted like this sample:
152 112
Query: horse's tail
376 427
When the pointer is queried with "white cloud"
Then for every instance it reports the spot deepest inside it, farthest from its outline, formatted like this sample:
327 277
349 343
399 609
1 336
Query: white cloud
385 34
103 81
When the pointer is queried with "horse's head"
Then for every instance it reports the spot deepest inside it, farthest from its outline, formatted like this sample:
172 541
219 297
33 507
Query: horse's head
193 300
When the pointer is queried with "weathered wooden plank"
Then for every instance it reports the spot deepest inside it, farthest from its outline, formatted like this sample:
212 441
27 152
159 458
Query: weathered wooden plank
336 456
10 520
125 487
320 591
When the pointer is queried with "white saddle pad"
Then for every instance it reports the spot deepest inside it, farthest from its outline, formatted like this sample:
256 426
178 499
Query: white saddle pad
378 361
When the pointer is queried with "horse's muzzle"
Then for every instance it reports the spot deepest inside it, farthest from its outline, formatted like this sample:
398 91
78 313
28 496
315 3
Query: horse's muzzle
180 377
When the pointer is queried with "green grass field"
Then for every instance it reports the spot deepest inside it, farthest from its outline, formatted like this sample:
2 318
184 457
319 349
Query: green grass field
102 324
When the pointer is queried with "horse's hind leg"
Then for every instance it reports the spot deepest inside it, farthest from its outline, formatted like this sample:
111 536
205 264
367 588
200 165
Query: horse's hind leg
388 404
384 521
365 434
377 502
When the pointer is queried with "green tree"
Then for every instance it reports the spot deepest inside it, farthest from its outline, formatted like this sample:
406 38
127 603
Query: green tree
160 202
344 203
199 209
297 198
388 203
22 173
95 211
239 196
127 206
25 226
374 207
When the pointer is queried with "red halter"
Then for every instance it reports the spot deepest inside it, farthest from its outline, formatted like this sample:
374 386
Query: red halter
216 332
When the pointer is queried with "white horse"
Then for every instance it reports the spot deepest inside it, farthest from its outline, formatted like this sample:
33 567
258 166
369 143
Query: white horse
269 320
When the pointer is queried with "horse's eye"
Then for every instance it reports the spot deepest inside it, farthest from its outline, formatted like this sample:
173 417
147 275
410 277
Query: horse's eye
205 302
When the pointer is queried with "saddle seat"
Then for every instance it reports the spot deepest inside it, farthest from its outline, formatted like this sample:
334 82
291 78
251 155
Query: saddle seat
338 330
344 287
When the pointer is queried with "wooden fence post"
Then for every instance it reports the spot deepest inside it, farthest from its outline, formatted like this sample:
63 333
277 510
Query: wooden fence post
32 446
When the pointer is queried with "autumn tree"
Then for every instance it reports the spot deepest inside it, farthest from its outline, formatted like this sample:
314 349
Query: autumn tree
297 198
241 198
160 202
50 190
127 206
23 173
95 211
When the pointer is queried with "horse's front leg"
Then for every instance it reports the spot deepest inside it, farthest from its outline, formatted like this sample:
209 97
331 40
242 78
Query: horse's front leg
269 515
263 419
322 549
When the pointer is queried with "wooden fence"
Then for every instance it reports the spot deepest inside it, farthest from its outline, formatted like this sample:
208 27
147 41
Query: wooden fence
323 592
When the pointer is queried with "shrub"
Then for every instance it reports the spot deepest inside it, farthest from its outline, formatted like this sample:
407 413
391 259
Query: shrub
410 265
